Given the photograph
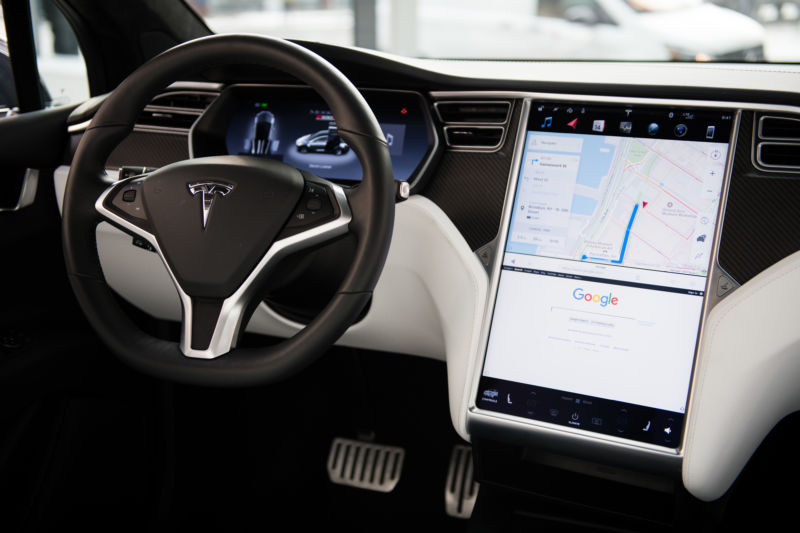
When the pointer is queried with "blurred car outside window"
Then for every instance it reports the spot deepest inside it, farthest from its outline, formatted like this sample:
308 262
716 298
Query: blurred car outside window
650 30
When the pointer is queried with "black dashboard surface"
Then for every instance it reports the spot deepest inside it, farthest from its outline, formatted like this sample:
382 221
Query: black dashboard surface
469 185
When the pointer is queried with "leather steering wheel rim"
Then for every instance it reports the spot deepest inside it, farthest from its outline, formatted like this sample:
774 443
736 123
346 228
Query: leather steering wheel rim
372 204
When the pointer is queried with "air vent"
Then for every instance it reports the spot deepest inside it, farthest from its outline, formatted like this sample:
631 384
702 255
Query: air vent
474 125
174 111
184 100
487 112
166 119
779 128
779 155
777 144
483 137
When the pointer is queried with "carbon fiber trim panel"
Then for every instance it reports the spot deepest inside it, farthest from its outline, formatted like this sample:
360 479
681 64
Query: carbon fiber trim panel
761 224
470 187
143 149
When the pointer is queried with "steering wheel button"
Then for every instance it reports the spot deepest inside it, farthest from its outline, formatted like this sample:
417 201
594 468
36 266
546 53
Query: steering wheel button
141 243
128 201
300 219
314 204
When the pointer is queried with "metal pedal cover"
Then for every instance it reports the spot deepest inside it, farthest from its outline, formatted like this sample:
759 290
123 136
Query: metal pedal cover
461 490
365 465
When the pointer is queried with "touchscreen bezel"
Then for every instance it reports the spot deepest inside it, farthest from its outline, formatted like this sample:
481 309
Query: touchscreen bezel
521 427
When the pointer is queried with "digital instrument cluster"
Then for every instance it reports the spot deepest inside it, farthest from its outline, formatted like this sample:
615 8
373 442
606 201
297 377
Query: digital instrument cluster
296 126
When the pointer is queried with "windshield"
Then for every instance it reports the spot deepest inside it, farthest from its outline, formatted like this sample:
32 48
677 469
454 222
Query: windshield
668 30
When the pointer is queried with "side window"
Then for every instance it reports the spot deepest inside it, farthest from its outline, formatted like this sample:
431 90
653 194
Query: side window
8 96
61 66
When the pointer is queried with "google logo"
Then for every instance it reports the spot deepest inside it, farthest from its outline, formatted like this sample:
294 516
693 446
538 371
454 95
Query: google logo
579 294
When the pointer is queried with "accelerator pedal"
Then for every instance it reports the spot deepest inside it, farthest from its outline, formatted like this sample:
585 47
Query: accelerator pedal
461 490
365 465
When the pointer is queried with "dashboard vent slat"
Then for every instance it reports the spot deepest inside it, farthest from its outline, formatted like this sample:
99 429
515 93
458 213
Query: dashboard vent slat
184 100
166 120
779 155
473 112
779 128
473 136
174 111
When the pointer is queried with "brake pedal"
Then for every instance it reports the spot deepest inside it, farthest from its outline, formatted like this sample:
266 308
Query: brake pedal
365 465
461 490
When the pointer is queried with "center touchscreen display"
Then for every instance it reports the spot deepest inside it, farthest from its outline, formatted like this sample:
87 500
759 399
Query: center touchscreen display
604 269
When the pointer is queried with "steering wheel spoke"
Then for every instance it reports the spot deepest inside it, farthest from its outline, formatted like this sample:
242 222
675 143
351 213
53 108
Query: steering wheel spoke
323 210
212 321
122 205
211 327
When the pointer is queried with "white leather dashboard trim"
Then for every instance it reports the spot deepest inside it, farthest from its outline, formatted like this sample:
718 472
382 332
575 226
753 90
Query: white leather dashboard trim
60 175
746 381
429 300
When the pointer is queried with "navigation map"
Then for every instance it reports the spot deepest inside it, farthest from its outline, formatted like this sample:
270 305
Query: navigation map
638 202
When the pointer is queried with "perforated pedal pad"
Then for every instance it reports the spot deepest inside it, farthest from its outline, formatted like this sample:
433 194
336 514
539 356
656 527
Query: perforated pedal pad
365 465
461 490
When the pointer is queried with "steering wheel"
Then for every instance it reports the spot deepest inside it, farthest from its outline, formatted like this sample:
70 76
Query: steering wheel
220 224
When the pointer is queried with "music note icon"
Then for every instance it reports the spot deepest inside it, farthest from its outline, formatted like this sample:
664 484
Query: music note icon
547 122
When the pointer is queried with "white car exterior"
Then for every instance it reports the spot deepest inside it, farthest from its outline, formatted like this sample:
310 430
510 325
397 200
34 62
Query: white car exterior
525 29
693 30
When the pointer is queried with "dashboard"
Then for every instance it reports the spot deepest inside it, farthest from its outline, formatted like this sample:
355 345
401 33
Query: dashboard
669 201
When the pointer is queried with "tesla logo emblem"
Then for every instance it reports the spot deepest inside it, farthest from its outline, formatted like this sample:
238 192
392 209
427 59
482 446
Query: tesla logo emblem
209 190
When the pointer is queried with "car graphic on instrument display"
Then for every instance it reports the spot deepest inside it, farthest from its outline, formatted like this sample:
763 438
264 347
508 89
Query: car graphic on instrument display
322 142
262 137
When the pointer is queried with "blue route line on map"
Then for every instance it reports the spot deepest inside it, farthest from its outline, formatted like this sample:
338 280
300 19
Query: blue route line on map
624 242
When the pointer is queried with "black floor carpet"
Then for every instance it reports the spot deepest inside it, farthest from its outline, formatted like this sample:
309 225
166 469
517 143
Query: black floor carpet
120 451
